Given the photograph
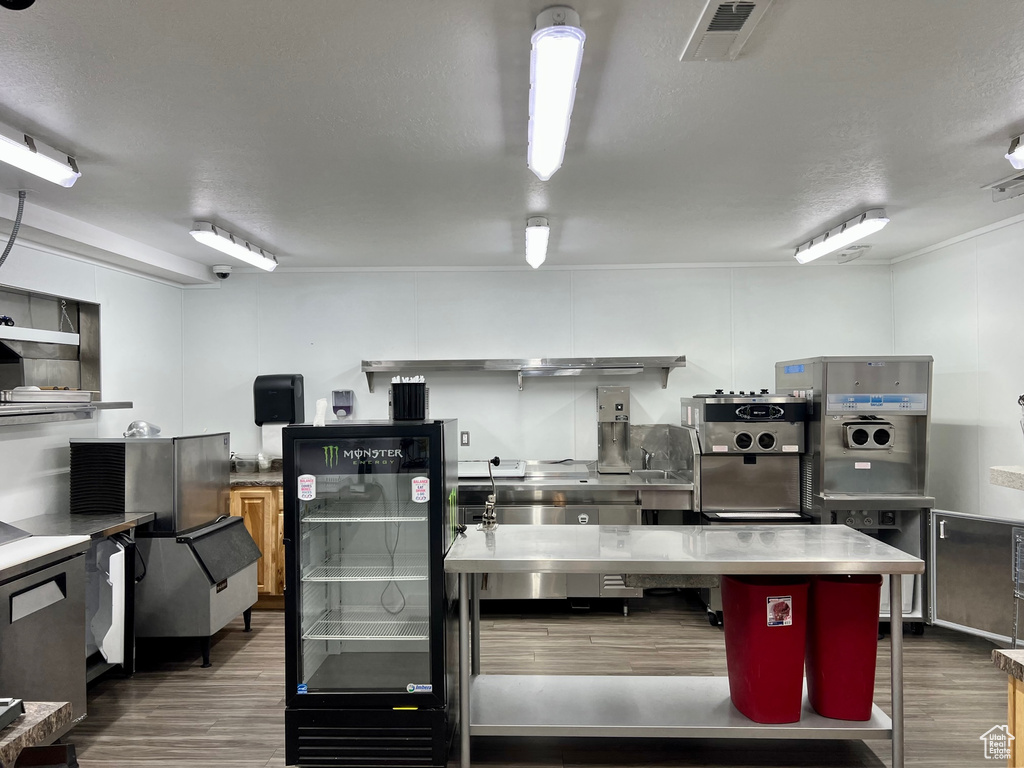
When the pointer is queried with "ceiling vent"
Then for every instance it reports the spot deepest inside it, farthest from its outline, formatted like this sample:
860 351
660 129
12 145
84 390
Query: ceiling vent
1004 189
851 252
723 30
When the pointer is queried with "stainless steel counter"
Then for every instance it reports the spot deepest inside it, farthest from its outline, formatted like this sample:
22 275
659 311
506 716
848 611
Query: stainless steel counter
687 707
30 554
671 549
94 526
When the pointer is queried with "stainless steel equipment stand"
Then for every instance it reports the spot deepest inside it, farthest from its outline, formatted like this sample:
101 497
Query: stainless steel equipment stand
654 706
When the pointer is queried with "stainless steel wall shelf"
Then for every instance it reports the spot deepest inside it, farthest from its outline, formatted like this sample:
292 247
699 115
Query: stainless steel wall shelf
536 366
40 413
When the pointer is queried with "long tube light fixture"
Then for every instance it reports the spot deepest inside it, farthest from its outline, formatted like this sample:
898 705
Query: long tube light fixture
839 237
1016 153
22 151
537 233
225 242
554 70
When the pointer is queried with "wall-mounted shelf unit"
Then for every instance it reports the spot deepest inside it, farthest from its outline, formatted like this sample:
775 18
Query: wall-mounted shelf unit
1008 477
538 366
14 333
13 414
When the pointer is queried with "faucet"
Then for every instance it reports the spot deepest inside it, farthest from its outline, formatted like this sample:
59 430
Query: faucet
645 461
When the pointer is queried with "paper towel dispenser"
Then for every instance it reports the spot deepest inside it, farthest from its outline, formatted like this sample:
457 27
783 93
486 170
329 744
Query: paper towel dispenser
278 399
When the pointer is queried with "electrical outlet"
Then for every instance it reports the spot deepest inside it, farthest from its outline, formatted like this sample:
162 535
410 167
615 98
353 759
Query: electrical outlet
464 438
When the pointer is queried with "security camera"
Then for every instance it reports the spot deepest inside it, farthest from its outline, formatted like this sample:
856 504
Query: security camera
16 5
222 271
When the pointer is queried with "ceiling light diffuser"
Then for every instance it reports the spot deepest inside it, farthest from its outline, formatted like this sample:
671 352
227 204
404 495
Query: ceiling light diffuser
24 152
1016 154
222 240
841 236
554 70
537 233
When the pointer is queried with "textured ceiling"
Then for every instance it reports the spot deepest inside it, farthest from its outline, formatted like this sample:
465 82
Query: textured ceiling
393 133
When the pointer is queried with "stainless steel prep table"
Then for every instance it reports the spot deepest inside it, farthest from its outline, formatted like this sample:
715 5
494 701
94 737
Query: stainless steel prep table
651 706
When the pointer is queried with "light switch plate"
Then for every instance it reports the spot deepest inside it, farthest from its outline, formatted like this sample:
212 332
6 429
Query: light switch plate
464 438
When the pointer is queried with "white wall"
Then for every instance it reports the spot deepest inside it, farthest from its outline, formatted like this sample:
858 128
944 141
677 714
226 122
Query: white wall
963 304
141 353
732 324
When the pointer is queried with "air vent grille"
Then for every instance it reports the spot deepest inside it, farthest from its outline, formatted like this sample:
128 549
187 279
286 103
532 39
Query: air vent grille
1005 189
723 29
97 478
730 17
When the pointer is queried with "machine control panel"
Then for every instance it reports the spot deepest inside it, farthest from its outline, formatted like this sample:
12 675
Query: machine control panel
871 518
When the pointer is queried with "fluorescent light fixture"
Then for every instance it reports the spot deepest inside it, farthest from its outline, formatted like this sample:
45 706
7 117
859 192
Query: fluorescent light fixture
554 70
1016 154
215 237
24 152
839 237
537 232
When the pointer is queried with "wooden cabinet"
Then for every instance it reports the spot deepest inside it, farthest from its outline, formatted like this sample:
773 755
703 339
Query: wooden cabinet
262 512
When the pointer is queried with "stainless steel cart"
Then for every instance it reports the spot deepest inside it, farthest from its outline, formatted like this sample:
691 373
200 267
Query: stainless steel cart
652 706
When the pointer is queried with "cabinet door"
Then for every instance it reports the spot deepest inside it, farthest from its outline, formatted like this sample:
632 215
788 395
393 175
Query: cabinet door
258 509
973 573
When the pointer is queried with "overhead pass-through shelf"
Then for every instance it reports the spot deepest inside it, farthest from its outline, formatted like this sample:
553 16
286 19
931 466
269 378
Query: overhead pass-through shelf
537 366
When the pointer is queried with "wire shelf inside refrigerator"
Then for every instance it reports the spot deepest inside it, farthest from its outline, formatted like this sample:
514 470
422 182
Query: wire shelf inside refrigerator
370 624
365 513
368 568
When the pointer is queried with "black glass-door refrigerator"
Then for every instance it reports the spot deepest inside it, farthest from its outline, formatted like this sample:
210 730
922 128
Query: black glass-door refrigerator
371 631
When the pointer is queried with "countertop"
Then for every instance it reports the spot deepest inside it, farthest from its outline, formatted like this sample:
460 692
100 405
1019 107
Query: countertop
94 526
26 555
1010 661
40 723
259 479
671 549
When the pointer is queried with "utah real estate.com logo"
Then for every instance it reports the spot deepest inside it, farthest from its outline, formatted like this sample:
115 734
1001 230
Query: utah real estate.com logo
997 742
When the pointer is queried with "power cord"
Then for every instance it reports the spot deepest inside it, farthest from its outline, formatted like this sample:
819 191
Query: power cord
14 230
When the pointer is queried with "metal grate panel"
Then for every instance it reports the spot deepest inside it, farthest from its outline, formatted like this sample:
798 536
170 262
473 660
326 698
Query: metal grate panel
367 568
730 17
806 481
370 624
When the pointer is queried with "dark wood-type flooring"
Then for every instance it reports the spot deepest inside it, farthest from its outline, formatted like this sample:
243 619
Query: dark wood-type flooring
174 713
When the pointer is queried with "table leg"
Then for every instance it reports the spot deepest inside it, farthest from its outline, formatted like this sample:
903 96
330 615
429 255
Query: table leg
896 662
464 673
475 623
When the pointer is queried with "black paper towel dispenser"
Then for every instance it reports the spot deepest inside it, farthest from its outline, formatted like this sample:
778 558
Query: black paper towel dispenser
277 399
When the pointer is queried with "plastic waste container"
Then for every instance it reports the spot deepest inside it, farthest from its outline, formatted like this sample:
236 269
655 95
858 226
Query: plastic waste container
765 634
842 645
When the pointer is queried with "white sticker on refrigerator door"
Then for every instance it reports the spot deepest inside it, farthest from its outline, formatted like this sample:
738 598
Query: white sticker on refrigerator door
421 490
307 487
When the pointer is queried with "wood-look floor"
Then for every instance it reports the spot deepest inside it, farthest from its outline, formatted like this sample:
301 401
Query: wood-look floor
174 713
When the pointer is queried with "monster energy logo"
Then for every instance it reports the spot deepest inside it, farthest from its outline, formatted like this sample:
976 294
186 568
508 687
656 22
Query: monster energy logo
331 455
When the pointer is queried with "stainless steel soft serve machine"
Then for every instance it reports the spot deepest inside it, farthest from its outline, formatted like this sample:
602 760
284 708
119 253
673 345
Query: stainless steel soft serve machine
868 425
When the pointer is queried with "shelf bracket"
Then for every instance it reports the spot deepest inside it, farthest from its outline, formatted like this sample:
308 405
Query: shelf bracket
520 374
664 377
369 380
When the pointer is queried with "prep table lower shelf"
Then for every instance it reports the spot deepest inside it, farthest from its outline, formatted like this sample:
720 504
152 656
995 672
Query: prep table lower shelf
638 706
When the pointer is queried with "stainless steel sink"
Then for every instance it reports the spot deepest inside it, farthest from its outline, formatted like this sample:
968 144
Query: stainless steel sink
655 474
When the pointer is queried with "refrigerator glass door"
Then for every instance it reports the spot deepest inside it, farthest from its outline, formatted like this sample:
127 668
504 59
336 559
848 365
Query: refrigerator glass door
363 555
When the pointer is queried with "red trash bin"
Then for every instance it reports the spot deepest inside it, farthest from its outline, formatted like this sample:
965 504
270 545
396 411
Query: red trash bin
842 645
765 633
